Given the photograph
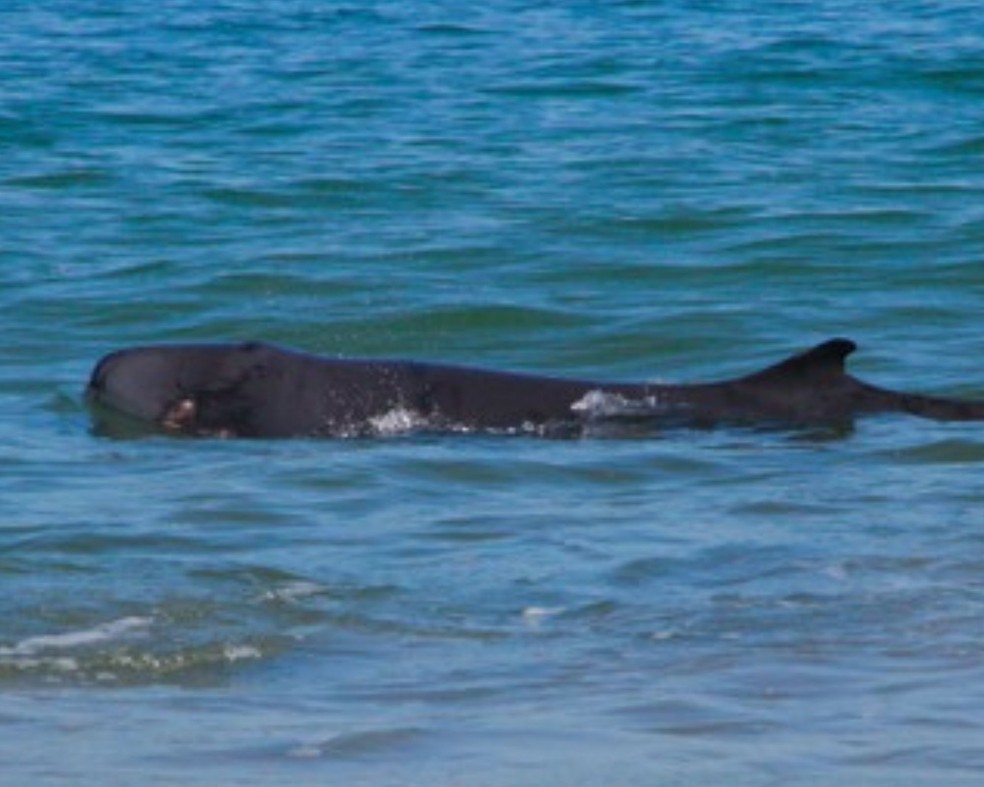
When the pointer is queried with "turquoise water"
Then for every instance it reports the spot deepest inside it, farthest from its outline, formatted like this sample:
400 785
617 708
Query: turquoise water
669 191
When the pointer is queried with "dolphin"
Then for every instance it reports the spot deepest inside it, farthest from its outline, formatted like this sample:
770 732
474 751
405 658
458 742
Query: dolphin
255 389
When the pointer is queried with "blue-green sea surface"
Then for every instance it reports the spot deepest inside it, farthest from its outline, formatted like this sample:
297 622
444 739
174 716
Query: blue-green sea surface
622 190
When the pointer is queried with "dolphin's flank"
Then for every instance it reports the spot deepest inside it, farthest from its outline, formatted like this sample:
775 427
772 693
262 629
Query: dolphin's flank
262 390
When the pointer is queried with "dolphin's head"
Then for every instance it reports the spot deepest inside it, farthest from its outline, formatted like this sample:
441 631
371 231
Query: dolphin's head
181 388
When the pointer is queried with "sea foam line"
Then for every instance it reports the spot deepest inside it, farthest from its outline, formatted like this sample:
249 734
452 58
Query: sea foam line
104 632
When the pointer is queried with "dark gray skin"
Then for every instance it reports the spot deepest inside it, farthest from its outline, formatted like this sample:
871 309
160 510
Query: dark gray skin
261 390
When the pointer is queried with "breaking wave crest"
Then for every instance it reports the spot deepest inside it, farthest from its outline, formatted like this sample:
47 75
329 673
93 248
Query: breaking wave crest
185 638
125 650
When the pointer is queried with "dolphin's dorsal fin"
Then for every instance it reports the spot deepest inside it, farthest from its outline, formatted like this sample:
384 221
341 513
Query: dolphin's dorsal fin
824 360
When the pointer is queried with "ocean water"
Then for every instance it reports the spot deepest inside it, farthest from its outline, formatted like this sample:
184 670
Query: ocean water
626 190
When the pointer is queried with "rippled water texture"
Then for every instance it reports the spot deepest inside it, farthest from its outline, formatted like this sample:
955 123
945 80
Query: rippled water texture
620 190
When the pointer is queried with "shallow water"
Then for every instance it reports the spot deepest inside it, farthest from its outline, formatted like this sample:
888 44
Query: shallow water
622 190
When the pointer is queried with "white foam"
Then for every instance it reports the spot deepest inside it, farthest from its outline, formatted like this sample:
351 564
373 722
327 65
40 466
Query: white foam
397 421
536 615
291 591
599 404
305 751
240 652
104 632
604 404
593 401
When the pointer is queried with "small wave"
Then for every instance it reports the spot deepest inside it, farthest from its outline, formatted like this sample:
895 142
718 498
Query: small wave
357 744
104 632
294 591
58 655
126 650
534 616
233 653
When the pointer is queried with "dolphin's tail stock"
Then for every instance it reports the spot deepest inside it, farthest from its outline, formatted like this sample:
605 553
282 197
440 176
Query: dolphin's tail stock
939 408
